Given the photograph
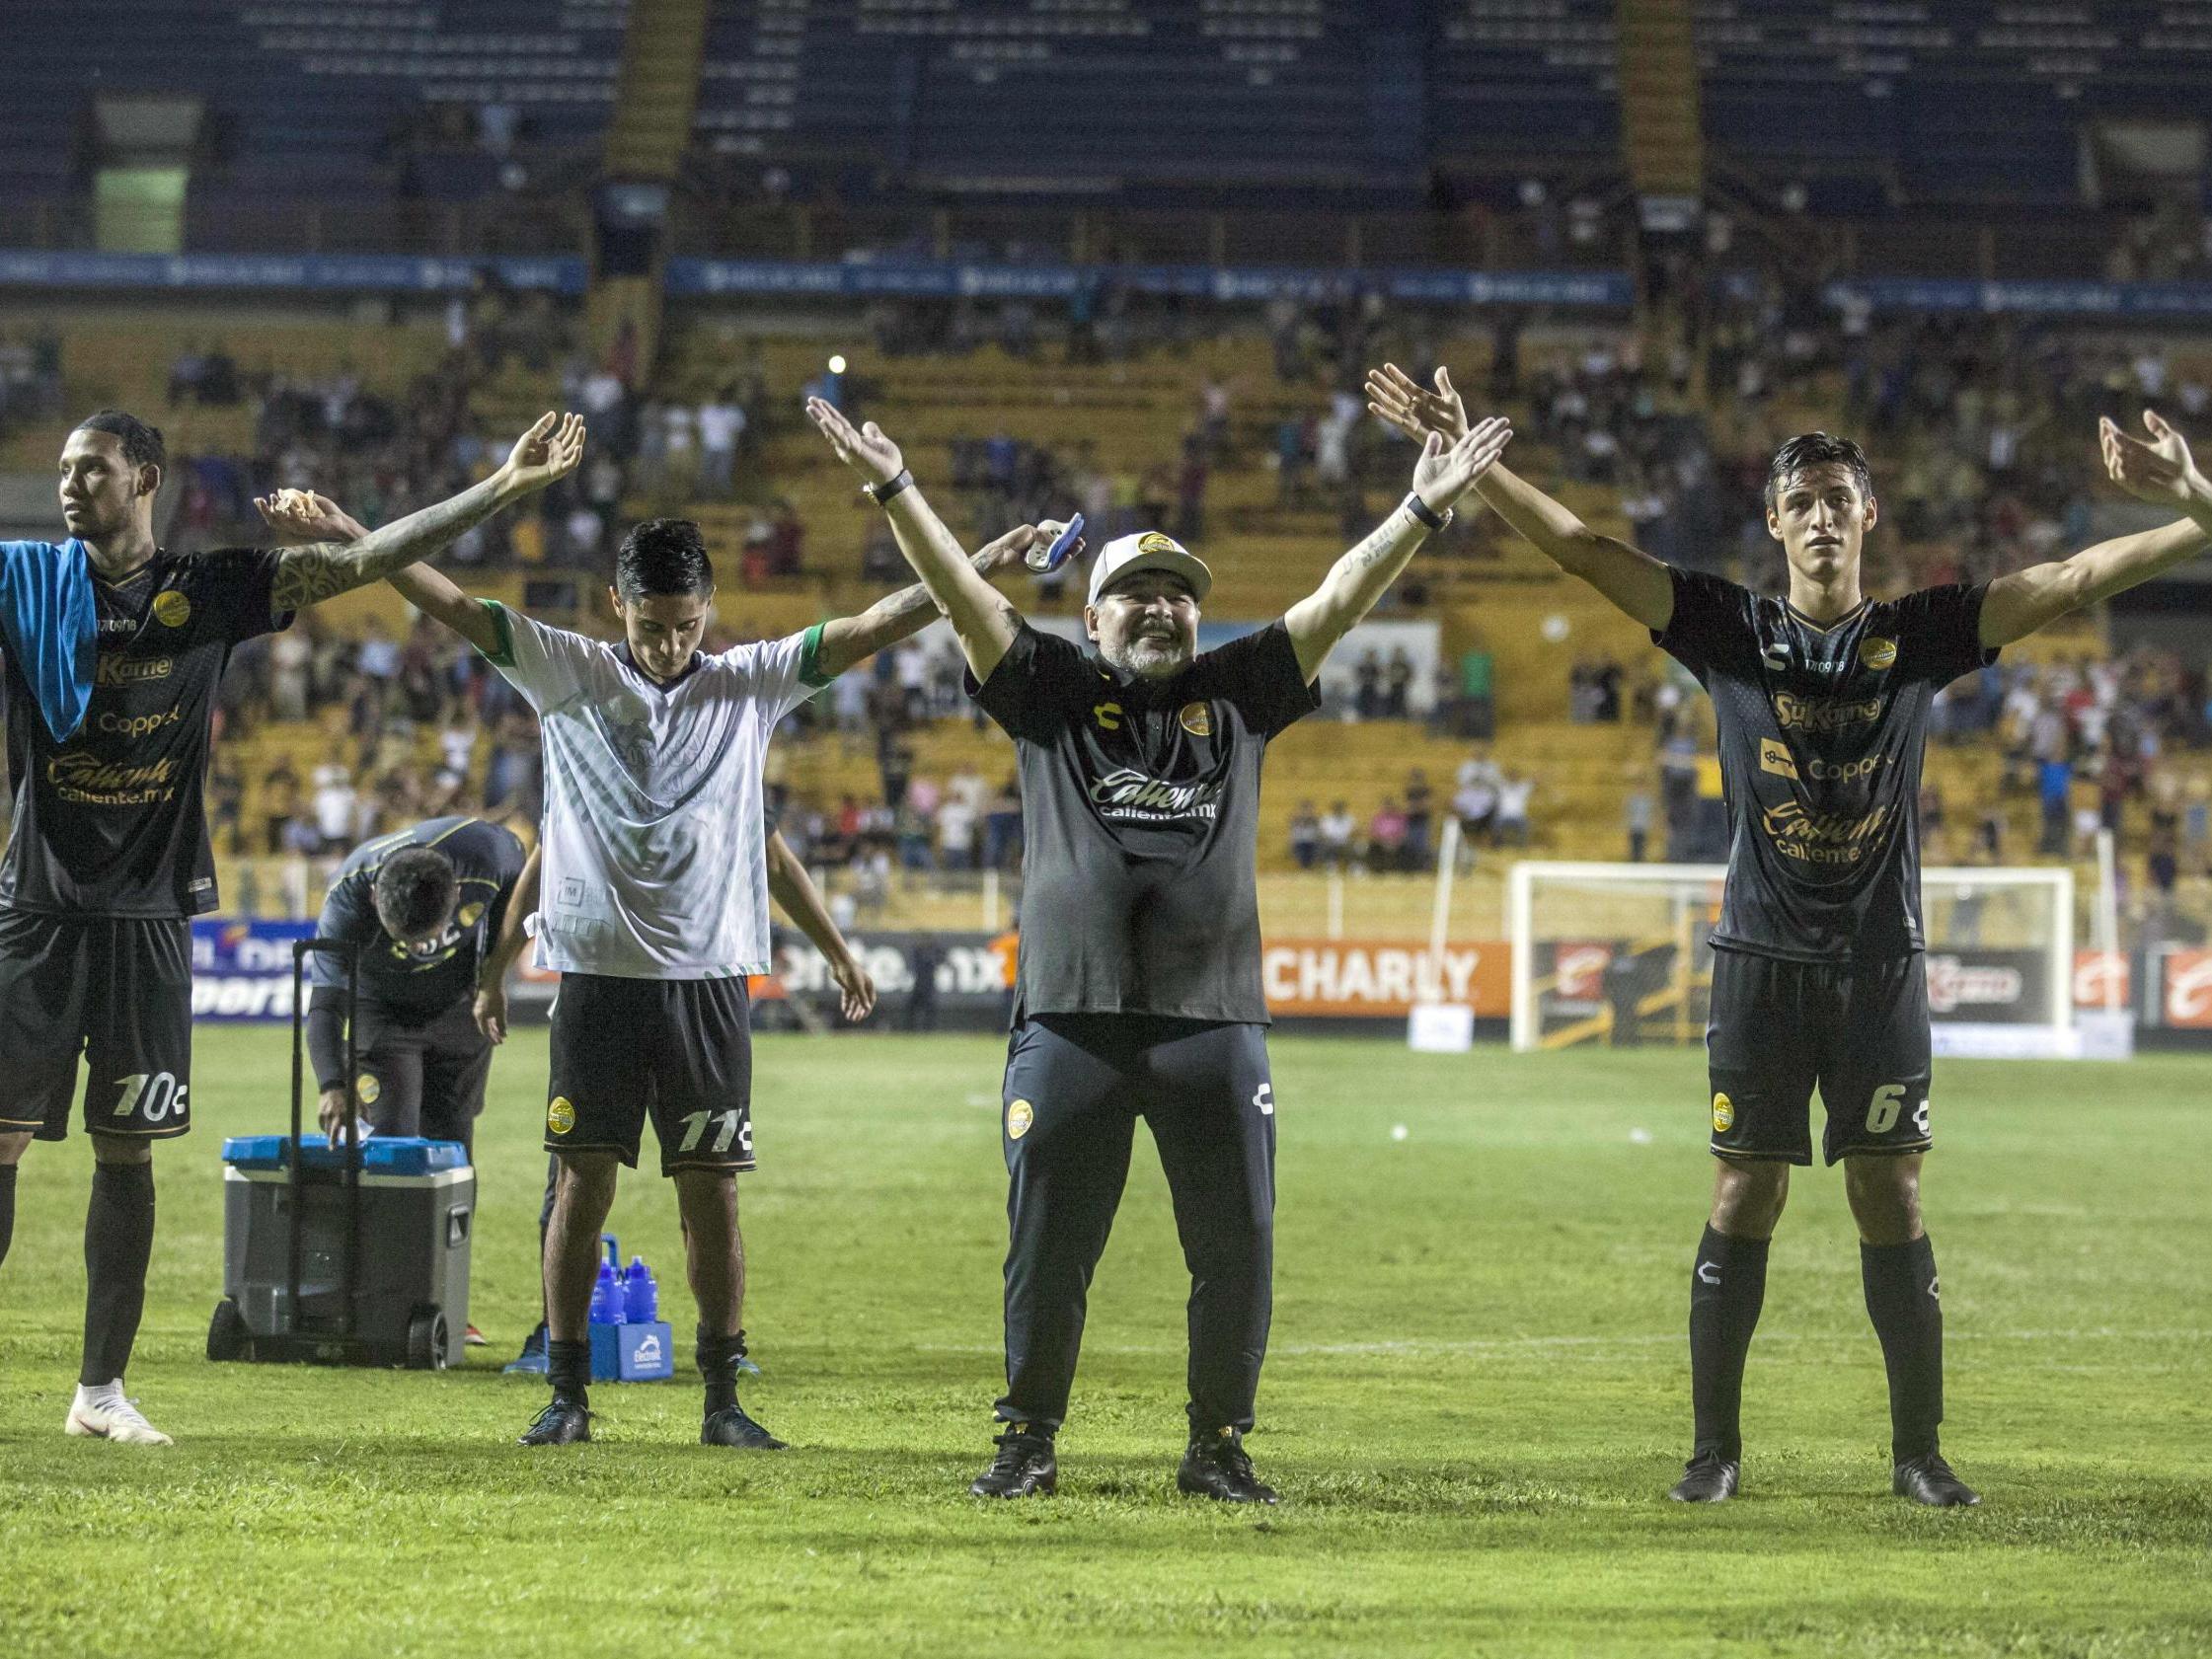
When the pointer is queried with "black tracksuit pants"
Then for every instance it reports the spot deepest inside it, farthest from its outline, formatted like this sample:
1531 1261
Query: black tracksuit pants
1075 1086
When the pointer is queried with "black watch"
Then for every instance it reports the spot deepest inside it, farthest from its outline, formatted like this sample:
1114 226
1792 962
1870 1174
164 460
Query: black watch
1427 514
882 492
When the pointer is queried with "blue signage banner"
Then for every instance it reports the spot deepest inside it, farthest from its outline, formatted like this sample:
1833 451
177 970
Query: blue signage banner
954 279
333 272
243 970
2046 298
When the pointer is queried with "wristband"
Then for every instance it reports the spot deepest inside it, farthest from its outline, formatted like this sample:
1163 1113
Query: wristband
1427 514
882 492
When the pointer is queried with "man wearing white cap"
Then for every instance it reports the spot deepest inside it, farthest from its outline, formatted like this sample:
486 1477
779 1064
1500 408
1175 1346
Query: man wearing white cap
1139 990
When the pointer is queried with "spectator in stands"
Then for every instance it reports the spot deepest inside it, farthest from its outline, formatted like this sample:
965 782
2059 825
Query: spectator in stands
1305 835
279 801
1337 829
1386 837
1002 825
721 424
1397 684
1367 681
1475 801
336 808
1511 823
1638 809
956 833
1420 819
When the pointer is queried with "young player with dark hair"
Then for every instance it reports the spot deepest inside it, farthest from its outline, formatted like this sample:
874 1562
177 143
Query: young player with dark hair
115 647
1823 700
655 909
1139 990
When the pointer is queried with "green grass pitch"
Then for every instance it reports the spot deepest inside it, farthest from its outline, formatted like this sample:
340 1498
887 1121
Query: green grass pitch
1477 1398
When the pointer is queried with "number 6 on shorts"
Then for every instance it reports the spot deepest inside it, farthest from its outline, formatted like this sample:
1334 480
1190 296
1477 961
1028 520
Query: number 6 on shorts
1882 1113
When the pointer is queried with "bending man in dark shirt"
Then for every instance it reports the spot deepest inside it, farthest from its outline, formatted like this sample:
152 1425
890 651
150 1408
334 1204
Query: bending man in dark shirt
1138 990
1822 704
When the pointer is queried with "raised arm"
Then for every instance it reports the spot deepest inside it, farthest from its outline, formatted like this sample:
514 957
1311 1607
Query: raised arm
848 639
793 891
1441 478
306 576
491 1008
1636 582
2161 472
985 621
300 516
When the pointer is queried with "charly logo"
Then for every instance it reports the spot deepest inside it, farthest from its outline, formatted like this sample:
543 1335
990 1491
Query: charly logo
1109 717
172 609
367 1089
469 914
1018 1116
1156 541
1876 652
1774 757
561 1116
1723 1114
1197 720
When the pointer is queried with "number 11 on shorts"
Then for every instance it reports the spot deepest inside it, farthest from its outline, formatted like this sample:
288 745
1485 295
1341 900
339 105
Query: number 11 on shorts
695 1131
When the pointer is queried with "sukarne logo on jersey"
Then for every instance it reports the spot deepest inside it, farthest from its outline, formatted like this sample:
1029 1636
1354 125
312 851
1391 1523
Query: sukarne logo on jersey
116 669
1825 714
1126 792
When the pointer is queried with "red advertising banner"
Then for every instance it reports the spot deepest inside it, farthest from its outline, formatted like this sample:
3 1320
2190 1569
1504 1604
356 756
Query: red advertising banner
2099 973
2188 989
1366 977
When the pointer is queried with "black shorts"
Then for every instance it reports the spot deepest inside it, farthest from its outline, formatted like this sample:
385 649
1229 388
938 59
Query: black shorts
677 1049
1857 1030
116 988
422 1073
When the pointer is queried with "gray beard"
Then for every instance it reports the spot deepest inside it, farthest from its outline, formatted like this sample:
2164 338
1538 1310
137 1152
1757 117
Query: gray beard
1149 660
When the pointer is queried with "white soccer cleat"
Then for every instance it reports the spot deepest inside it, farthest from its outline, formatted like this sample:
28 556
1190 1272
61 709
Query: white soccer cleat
104 1415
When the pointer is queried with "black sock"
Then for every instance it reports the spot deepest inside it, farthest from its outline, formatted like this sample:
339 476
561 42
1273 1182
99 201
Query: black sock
118 1243
568 1368
717 1364
1902 1302
7 1207
1726 1288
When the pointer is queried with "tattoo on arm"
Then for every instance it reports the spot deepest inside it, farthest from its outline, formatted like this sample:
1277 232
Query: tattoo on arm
306 576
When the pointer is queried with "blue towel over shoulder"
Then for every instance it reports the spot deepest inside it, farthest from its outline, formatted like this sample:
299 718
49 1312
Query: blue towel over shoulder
49 628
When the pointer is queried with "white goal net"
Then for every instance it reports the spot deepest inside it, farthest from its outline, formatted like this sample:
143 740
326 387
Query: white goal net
1616 954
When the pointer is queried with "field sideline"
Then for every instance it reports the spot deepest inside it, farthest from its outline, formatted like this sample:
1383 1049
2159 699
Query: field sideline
1477 1396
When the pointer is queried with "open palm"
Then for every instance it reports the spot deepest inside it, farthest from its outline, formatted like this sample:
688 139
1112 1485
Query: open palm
1448 471
1397 396
2161 470
550 450
863 448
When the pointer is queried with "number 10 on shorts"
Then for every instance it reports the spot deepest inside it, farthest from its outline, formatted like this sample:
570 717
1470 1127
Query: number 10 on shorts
154 1094
725 1126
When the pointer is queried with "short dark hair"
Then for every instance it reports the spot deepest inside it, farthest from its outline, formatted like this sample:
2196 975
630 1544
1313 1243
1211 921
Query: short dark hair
1818 449
141 443
413 891
664 555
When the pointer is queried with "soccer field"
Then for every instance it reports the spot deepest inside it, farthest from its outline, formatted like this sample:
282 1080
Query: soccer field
1477 1396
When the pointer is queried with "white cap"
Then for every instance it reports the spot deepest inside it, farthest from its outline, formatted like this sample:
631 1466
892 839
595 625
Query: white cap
1152 551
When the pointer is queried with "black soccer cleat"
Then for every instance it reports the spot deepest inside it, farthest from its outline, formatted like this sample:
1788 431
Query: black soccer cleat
1709 1477
1929 1480
1214 1465
561 1423
732 1427
1025 1467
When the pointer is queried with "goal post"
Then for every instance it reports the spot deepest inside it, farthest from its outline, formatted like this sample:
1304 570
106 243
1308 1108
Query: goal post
1615 954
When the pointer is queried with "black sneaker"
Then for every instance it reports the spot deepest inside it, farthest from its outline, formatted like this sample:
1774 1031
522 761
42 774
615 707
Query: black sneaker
1929 1480
1024 1467
1707 1479
532 1361
561 1423
1215 1466
732 1427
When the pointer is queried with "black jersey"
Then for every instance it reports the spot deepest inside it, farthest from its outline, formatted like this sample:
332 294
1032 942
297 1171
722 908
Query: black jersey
488 860
112 821
1822 730
1140 820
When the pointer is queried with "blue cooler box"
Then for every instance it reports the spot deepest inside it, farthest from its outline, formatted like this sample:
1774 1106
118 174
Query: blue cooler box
411 1264
632 1353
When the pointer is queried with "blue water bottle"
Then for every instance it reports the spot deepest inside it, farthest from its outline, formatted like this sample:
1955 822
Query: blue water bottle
606 1292
641 1293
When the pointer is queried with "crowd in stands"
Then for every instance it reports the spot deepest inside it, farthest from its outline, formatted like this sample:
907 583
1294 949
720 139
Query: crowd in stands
29 375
